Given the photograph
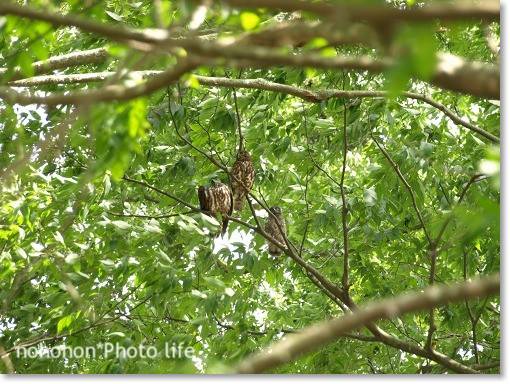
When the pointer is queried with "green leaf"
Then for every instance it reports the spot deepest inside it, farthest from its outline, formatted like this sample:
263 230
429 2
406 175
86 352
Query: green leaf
114 15
64 323
249 20
25 63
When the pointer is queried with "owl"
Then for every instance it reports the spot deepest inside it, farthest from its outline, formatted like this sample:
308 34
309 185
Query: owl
271 228
242 176
216 199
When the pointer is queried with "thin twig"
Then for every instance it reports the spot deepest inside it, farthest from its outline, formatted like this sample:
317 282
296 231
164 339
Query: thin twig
345 229
407 186
238 120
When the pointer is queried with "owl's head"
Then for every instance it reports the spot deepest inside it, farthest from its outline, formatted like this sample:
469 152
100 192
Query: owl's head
243 155
277 211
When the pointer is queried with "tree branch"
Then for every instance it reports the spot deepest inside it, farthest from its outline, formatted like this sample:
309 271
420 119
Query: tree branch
481 367
345 229
6 360
318 335
167 194
117 33
238 120
470 314
107 93
475 178
432 248
148 216
433 252
452 72
381 14
407 186
77 58
314 96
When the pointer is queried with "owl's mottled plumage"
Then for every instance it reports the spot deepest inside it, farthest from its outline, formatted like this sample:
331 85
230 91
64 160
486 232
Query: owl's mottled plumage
271 228
216 199
242 178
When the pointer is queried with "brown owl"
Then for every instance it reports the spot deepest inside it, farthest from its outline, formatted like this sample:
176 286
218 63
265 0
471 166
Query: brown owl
271 228
242 177
216 199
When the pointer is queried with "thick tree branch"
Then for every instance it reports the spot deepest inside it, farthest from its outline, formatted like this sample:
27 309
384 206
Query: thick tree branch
107 93
317 96
118 33
481 367
452 72
488 11
298 33
417 350
318 335
474 318
78 78
381 14
73 59
475 78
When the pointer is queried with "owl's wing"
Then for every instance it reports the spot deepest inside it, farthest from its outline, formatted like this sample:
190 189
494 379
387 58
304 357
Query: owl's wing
202 198
230 199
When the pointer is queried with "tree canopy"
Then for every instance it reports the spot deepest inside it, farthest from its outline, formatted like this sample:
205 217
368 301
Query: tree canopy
373 125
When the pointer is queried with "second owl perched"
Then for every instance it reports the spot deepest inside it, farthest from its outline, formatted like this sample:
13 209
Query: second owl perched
242 178
274 223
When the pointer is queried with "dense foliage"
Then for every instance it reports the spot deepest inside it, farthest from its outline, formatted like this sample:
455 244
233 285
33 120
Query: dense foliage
95 248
